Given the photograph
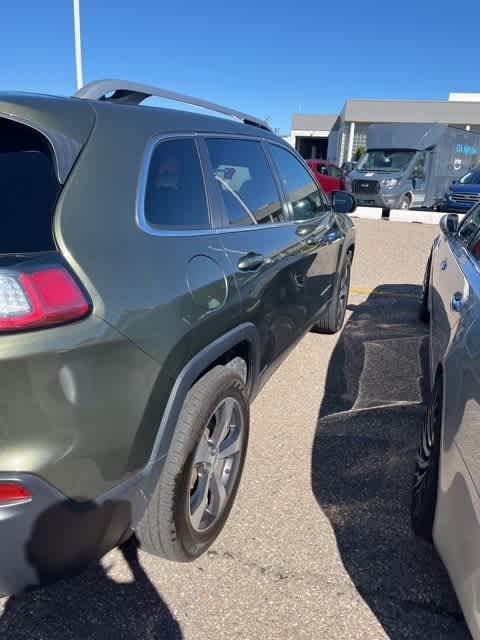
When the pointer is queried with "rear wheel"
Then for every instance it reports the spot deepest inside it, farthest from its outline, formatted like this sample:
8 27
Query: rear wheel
332 319
425 482
199 481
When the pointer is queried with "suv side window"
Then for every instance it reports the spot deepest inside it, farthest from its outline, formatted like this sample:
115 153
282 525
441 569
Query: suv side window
302 192
245 182
418 170
470 226
175 191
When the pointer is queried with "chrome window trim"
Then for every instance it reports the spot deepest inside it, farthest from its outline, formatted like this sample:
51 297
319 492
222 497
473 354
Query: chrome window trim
154 141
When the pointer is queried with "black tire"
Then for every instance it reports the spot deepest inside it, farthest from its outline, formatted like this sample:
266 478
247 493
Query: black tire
425 481
423 312
405 203
332 318
166 529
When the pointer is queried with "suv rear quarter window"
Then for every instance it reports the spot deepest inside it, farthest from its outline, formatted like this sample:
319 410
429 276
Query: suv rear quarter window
175 191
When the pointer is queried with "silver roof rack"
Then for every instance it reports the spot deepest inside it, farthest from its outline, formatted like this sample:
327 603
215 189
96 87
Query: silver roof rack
126 92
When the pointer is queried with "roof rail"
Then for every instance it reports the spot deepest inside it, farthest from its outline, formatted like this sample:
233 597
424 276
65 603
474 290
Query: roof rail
132 93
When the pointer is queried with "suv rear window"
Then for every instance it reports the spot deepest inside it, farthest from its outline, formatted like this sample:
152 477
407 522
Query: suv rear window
28 190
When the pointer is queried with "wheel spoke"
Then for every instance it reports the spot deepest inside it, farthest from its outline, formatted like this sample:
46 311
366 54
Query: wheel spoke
232 445
199 500
219 492
202 454
223 417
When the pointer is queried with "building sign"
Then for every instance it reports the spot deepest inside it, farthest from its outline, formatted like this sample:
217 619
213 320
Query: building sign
466 149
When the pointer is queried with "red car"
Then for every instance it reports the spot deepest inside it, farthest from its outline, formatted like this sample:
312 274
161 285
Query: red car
328 174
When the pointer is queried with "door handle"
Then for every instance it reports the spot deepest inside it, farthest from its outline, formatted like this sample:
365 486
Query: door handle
333 237
457 301
250 261
443 265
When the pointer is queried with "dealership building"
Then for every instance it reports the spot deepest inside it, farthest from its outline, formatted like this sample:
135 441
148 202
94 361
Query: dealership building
337 137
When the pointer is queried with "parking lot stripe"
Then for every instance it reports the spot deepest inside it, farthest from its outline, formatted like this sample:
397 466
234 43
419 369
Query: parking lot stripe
371 292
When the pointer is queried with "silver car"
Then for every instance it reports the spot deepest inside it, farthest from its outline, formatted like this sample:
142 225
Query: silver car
446 498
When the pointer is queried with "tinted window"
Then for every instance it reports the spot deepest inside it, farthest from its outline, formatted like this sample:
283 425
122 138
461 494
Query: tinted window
301 190
470 226
245 182
175 193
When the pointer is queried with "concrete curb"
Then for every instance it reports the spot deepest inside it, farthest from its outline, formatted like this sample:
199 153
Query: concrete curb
397 215
370 213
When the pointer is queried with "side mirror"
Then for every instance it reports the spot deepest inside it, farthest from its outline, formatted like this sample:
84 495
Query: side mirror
454 181
343 202
449 224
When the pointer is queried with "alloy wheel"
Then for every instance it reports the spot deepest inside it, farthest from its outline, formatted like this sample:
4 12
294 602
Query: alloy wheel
215 465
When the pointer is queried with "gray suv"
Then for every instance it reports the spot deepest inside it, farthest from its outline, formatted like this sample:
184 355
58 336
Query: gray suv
155 267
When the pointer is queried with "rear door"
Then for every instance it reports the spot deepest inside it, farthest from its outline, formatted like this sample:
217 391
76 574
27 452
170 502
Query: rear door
269 260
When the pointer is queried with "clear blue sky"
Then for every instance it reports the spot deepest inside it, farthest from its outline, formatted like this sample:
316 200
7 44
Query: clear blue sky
265 58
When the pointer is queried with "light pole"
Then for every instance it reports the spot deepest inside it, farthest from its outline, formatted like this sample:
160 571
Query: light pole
78 46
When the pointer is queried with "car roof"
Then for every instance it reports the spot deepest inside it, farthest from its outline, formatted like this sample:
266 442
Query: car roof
36 107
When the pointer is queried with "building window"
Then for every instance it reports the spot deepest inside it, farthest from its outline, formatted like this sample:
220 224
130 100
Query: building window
359 137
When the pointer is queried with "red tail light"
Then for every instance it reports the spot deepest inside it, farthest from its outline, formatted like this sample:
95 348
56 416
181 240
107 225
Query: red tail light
13 492
42 298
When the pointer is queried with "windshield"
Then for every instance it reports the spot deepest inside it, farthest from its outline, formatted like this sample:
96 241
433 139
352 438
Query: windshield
472 177
385 160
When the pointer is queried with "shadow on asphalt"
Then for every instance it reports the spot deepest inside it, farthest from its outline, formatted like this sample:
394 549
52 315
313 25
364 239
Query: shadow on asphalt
362 464
92 606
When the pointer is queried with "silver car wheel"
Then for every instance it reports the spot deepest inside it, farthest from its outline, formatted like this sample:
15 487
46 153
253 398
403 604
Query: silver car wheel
216 462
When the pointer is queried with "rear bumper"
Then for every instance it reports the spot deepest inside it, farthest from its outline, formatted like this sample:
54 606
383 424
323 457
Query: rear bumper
53 536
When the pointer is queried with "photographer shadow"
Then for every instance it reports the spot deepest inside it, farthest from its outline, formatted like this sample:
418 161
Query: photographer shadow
89 605
363 458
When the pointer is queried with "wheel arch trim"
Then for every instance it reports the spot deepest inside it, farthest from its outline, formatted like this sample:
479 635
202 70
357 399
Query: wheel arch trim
245 332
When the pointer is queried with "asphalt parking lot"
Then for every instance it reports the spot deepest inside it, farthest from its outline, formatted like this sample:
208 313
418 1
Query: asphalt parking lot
319 543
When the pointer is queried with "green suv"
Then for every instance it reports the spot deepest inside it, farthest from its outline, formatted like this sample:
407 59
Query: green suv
156 265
